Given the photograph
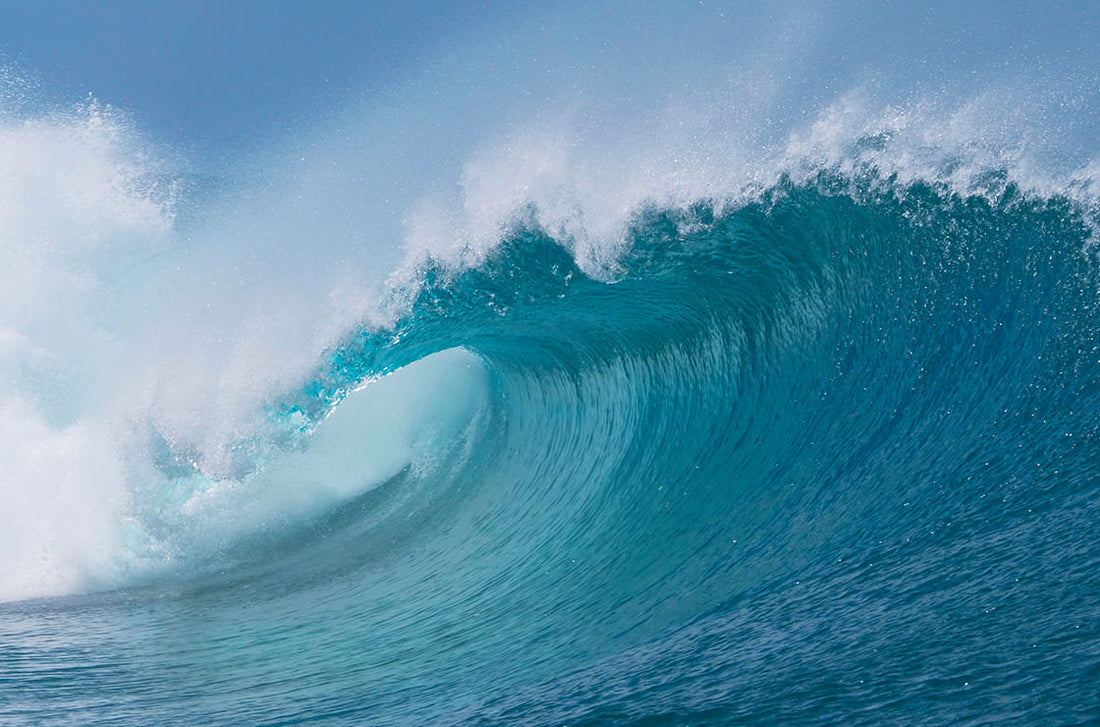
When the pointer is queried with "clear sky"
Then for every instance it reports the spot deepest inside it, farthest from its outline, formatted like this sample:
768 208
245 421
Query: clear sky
216 72
226 72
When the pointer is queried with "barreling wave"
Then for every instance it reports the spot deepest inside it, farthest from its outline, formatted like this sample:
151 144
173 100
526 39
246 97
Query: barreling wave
836 402
782 312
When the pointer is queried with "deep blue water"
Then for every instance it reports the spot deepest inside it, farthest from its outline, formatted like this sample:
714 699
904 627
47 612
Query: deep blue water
828 456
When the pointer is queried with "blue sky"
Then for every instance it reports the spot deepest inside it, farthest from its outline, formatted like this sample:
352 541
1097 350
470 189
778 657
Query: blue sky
208 76
212 72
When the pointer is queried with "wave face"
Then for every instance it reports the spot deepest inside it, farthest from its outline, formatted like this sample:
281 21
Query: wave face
632 399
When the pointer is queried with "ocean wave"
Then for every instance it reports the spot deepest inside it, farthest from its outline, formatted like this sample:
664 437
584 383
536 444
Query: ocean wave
746 385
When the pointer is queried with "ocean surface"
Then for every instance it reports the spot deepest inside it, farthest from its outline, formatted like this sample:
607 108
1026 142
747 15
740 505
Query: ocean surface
660 409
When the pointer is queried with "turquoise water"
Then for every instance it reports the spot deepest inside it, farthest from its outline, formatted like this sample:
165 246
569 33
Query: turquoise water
828 456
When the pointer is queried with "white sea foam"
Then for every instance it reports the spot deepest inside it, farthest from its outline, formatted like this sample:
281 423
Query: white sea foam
78 203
